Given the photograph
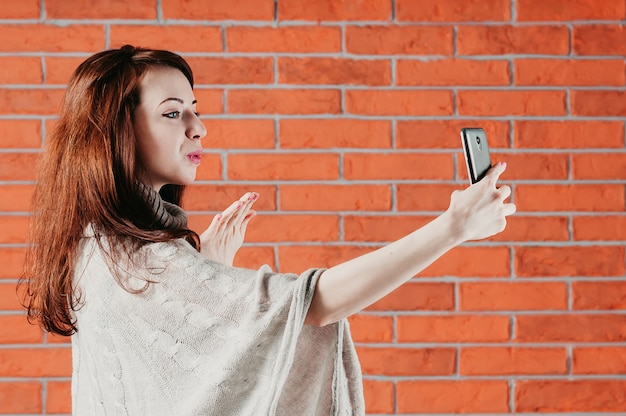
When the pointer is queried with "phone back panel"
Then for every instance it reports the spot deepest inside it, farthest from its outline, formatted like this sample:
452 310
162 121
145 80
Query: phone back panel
476 152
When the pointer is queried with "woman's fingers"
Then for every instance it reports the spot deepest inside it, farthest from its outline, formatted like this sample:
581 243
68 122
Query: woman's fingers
234 214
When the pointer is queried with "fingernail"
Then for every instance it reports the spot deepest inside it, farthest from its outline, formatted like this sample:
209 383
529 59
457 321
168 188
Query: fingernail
219 217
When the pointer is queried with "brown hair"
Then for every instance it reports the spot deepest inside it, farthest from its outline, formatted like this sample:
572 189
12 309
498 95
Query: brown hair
88 177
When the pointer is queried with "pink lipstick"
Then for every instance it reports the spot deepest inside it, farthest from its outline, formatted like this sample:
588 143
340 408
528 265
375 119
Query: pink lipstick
195 157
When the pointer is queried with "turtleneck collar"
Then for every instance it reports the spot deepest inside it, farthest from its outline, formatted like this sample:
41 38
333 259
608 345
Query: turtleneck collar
169 216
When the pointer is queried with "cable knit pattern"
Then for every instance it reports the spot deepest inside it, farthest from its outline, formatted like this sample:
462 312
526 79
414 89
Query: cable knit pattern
204 339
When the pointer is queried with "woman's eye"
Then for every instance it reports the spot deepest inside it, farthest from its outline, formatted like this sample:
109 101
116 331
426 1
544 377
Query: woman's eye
172 114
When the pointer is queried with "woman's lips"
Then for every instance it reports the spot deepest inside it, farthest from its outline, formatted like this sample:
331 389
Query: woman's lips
195 157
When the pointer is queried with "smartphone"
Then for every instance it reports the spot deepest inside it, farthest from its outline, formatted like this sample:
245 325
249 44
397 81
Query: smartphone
476 152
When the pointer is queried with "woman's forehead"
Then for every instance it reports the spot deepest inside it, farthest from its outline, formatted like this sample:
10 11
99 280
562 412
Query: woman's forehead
164 82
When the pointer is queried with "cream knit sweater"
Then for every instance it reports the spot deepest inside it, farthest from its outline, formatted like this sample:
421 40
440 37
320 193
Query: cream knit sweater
204 339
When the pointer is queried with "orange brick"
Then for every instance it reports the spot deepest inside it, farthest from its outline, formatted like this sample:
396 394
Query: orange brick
532 166
417 296
530 228
283 166
480 361
379 396
255 257
218 9
20 70
570 328
598 295
331 10
20 134
196 38
435 197
18 166
599 227
398 166
20 397
453 72
296 259
239 134
284 101
210 168
14 228
232 70
334 71
16 197
12 262
334 133
553 72
452 396
59 69
569 197
281 228
59 397
335 197
9 298
569 261
598 103
85 9
407 361
511 103
512 296
538 10
472 262
380 228
569 134
52 338
36 101
210 101
599 39
51 38
508 39
17 330
370 328
35 362
453 10
399 102
399 40
218 197
570 396
599 360
445 134
303 39
453 328
27 9
599 166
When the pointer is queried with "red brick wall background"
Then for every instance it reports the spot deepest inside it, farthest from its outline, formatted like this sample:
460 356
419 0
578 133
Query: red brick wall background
345 116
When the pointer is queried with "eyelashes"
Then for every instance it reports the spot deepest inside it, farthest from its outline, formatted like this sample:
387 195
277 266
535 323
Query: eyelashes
176 114
172 114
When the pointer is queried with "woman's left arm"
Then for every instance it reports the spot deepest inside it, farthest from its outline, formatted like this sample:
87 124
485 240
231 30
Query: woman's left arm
474 213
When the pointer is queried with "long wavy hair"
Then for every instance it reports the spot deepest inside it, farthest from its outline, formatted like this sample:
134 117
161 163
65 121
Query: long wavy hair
88 177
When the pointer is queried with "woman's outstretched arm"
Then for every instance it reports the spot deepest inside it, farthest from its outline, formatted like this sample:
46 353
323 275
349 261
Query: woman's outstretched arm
474 213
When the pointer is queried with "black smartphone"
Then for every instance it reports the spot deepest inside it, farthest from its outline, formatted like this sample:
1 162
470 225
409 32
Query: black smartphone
476 152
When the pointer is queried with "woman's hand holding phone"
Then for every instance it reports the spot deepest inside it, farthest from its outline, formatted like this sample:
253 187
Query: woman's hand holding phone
480 210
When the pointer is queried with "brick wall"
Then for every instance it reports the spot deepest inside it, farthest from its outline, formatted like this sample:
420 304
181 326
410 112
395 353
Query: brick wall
345 116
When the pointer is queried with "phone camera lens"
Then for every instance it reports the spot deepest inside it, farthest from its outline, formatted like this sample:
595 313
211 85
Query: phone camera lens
477 140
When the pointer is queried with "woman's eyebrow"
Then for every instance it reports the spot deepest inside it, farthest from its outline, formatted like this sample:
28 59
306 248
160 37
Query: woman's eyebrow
178 100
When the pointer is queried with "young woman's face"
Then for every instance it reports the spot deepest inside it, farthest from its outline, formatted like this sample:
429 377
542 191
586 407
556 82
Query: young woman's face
167 129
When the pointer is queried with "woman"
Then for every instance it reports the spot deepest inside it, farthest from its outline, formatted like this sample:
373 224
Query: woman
161 322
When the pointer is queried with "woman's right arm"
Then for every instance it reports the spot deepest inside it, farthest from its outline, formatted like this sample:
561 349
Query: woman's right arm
474 213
